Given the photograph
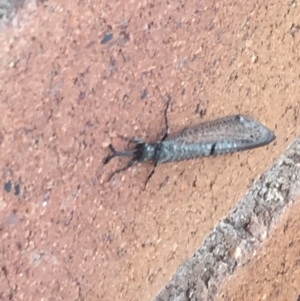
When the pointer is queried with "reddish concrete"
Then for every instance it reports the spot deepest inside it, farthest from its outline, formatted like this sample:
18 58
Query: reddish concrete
65 96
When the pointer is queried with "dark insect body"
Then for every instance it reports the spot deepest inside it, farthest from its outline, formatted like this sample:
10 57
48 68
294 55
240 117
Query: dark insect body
221 136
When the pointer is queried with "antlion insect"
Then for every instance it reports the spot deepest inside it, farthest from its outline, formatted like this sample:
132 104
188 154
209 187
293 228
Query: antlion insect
221 136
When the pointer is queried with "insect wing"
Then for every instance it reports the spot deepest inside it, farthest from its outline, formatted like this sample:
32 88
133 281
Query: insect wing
227 134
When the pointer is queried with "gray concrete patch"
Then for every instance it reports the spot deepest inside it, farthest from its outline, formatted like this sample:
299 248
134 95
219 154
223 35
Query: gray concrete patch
235 239
7 9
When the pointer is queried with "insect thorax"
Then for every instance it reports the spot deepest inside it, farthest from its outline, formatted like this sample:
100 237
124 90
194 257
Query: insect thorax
145 151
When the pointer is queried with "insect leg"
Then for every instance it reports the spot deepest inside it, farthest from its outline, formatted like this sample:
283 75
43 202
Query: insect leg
166 119
150 175
133 140
163 138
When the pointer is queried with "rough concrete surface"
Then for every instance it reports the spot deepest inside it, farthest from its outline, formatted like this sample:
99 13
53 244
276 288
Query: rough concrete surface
74 75
274 270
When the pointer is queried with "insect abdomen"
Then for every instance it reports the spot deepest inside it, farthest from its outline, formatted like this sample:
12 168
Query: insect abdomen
171 151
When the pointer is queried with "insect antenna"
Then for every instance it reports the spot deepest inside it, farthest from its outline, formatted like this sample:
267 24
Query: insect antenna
116 153
136 141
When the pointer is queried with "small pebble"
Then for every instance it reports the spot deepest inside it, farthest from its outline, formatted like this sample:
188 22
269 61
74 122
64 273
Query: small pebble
254 58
